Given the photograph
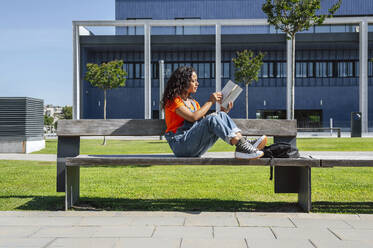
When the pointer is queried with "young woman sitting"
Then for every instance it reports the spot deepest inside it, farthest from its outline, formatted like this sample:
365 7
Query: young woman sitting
190 132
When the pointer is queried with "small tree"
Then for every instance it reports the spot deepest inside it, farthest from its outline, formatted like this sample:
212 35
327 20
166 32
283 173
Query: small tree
291 17
247 67
67 112
48 121
106 76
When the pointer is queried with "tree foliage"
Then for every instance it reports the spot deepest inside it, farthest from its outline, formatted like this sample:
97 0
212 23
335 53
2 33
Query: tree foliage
247 66
293 16
107 75
67 112
48 120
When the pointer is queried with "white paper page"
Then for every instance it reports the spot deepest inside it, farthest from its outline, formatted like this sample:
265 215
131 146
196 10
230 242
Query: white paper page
230 92
227 88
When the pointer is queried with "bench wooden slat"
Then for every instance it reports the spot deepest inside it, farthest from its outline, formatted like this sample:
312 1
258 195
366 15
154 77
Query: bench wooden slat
347 162
132 127
166 159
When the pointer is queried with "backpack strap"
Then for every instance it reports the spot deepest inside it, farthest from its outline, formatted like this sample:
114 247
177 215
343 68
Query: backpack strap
271 169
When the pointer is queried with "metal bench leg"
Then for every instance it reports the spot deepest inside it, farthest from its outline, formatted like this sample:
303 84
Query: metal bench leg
72 186
304 195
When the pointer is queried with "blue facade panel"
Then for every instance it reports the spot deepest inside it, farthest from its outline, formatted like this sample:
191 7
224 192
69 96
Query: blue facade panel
219 9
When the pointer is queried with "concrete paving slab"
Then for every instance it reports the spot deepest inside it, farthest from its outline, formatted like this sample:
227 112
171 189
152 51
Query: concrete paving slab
68 232
279 215
304 233
243 232
211 221
147 242
366 216
213 243
106 220
84 242
319 223
279 243
17 231
157 221
361 224
183 232
124 231
40 221
57 213
354 234
265 221
324 216
156 213
342 244
24 242
212 214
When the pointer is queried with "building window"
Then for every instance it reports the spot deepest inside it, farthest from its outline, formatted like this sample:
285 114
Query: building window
370 69
137 71
136 30
225 69
264 70
323 69
155 70
280 69
187 30
310 72
301 69
345 69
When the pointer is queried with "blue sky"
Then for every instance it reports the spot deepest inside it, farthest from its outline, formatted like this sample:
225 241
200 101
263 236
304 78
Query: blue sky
36 45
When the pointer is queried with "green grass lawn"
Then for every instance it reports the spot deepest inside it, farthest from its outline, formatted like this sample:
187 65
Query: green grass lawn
89 146
31 185
26 185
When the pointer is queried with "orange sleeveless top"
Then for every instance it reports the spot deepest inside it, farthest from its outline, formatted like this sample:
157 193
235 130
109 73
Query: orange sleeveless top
173 120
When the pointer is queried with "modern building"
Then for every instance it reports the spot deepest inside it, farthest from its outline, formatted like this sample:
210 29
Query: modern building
54 111
334 75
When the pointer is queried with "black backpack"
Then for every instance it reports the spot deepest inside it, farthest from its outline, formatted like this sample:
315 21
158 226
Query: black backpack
279 150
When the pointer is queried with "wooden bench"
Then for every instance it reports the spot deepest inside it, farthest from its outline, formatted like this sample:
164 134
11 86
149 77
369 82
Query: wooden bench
290 175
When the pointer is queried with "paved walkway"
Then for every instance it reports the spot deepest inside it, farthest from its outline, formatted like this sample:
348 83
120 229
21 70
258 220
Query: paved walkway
179 229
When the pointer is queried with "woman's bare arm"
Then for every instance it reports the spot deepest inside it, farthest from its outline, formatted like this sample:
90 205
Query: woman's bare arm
186 114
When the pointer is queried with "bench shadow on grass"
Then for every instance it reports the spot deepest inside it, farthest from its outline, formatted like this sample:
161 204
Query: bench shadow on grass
54 203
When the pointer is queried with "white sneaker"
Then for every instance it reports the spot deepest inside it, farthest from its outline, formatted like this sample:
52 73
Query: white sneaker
245 150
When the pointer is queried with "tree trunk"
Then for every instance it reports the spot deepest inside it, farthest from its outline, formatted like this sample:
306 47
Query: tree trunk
247 101
292 77
104 142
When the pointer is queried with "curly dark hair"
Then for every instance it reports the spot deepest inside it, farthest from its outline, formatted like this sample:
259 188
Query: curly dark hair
177 84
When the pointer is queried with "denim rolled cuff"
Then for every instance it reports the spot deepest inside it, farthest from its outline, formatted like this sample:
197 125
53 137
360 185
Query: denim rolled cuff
232 135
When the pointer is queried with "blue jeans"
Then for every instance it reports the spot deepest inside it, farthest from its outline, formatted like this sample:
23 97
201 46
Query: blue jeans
194 139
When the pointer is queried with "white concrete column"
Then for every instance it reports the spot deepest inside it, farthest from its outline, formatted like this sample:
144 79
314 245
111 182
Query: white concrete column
363 78
288 78
147 67
161 87
76 73
218 61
